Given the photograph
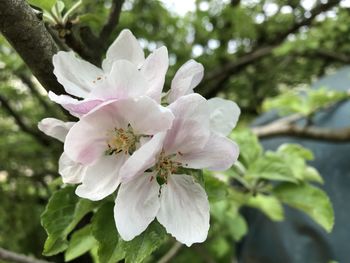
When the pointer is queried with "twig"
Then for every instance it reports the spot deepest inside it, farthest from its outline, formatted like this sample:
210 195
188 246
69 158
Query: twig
214 80
30 85
21 124
112 21
171 253
18 258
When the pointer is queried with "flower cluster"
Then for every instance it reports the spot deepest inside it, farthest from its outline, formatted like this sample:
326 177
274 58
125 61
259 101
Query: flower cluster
139 142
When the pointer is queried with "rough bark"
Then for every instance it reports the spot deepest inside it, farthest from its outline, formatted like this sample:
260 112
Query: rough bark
29 37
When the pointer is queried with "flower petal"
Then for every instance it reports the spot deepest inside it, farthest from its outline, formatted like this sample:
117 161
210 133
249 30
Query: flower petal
75 107
191 107
136 206
145 115
102 177
76 75
190 129
87 139
154 70
184 209
71 172
55 128
143 158
218 154
125 47
186 79
224 115
185 136
124 81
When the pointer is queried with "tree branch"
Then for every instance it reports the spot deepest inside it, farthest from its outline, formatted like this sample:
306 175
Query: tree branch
21 124
318 9
334 56
27 34
214 80
307 132
112 21
18 258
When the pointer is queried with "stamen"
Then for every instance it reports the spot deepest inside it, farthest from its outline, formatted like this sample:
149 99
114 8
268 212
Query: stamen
166 165
122 140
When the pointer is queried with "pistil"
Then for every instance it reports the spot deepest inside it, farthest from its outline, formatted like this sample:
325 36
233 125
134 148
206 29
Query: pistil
122 140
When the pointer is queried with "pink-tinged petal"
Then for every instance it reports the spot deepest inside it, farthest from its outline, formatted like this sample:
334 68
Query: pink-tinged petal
71 172
185 136
101 178
191 107
154 70
125 47
55 128
136 206
190 129
145 115
124 81
87 139
219 154
142 159
185 80
184 209
76 75
224 115
75 107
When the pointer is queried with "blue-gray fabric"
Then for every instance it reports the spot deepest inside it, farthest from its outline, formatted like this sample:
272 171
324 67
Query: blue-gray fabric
298 239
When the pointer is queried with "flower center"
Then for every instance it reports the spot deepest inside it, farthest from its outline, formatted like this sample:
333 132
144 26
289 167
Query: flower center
122 140
166 165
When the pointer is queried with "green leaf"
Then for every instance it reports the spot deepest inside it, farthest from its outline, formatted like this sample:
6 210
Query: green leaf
103 228
226 213
309 199
295 155
250 148
43 4
271 166
63 212
310 174
269 205
296 150
323 97
216 189
286 103
81 242
138 249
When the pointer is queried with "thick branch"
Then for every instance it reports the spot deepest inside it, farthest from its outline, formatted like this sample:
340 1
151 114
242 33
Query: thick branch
27 34
214 80
21 124
18 258
308 132
112 21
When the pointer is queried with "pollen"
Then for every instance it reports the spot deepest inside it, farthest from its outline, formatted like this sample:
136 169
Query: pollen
122 140
166 165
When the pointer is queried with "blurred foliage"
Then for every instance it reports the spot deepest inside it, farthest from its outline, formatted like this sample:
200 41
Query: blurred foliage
304 102
216 33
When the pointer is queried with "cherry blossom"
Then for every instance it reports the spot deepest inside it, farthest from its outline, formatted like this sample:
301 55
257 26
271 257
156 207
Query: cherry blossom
182 206
126 141
105 138
125 73
71 172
